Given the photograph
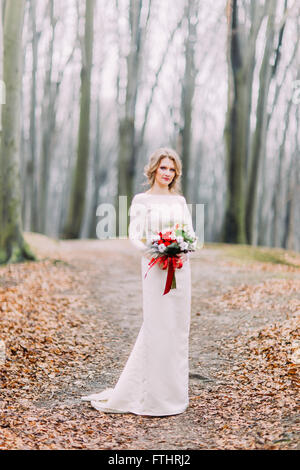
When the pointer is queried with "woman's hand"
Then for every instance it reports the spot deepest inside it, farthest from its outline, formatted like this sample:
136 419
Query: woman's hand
183 256
148 256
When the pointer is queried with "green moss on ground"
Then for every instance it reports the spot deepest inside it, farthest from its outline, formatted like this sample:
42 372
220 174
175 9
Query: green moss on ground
250 254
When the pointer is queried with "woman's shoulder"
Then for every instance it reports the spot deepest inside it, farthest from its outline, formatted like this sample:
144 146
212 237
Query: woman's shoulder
147 198
146 194
139 196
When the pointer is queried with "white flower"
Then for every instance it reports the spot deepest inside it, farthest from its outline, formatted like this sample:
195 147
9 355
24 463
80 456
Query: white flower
179 239
155 238
161 248
183 246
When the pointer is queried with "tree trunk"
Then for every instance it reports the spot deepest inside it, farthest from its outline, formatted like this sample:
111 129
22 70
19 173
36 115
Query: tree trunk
277 192
188 90
127 148
289 226
2 91
263 213
235 136
12 245
32 164
48 128
242 166
293 193
78 192
265 77
97 175
1 40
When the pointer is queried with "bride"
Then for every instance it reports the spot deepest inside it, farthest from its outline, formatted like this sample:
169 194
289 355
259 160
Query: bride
154 381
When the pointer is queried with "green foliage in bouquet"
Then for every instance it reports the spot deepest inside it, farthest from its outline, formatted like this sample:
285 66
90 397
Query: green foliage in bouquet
184 234
172 249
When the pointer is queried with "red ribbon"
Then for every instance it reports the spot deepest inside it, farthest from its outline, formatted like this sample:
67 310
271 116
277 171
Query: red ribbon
170 262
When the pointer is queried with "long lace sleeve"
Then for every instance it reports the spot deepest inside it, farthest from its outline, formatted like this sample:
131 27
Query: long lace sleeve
137 224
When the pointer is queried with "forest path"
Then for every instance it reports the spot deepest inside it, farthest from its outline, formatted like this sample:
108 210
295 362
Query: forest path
102 290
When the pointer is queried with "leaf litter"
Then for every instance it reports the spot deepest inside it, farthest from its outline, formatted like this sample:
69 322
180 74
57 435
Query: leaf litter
56 339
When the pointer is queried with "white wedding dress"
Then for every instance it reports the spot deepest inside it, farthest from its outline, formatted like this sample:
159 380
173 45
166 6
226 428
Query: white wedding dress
154 380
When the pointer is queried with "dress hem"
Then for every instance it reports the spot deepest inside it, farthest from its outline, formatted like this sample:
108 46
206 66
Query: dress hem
143 413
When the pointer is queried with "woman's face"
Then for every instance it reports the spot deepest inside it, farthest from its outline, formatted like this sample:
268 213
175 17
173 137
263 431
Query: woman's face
165 172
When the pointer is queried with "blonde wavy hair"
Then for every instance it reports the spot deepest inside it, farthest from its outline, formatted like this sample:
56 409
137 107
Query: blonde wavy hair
154 162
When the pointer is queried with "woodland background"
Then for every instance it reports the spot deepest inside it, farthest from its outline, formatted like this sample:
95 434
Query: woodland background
89 89
93 87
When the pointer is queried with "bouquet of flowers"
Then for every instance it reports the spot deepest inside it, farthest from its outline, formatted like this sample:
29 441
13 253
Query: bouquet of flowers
165 247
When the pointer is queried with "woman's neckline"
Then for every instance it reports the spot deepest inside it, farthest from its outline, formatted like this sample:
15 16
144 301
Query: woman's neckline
164 195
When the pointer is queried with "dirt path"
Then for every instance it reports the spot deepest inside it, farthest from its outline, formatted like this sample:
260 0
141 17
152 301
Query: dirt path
108 286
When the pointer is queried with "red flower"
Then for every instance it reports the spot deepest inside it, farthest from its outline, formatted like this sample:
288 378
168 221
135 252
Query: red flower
168 235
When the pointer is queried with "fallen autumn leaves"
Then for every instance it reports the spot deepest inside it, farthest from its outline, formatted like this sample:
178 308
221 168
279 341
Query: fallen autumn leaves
54 342
257 404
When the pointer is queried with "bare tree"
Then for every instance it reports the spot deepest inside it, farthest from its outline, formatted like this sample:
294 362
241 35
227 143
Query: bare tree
99 173
127 130
48 125
31 168
1 40
48 121
267 72
12 245
293 191
78 192
188 89
1 61
241 65
244 151
262 209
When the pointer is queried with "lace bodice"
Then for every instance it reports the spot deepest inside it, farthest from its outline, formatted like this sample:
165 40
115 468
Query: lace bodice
151 213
